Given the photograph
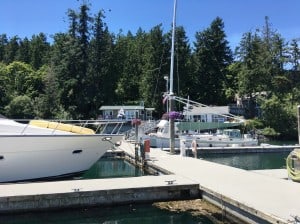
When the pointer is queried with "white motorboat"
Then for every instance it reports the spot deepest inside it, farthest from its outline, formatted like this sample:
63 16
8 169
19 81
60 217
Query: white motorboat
29 152
223 138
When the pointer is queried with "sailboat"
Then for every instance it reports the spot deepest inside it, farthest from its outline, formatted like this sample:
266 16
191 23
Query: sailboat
226 137
168 133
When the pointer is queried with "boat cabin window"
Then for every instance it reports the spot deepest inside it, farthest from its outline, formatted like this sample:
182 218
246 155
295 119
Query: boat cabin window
233 133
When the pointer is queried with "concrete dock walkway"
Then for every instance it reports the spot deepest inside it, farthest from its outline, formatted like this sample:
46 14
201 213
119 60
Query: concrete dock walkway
23 197
252 196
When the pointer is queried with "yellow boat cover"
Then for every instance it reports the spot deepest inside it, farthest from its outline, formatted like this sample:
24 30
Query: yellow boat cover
62 127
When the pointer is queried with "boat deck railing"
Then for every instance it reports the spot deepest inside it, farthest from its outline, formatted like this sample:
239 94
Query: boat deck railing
144 128
97 126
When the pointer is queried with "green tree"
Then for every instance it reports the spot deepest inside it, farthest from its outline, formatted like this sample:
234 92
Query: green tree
21 107
70 59
11 50
294 55
21 80
130 73
293 58
156 59
250 78
3 44
183 75
39 50
262 57
281 118
3 85
232 81
102 80
73 23
24 54
212 57
81 100
64 61
272 55
47 104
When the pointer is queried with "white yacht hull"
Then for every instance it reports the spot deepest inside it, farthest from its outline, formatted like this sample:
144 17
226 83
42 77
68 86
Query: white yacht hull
27 157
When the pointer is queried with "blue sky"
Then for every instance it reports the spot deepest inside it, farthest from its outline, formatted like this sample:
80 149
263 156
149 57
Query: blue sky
27 17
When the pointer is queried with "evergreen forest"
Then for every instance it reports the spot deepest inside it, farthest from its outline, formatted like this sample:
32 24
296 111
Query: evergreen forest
87 66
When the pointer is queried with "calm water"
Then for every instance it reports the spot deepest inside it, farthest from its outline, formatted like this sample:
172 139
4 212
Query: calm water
253 161
145 214
250 161
107 168
112 168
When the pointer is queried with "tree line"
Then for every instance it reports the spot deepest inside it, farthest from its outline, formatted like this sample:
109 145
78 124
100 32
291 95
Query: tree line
88 66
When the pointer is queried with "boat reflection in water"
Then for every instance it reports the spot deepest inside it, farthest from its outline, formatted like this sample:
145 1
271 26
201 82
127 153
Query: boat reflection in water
112 168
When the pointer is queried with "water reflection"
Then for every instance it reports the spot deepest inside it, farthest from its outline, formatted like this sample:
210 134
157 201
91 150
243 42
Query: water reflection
110 168
146 214
250 161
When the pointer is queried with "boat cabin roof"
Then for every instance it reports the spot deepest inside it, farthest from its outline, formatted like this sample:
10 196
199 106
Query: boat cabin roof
128 107
221 110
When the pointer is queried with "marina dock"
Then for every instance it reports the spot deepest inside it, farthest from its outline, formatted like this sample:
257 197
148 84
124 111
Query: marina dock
23 197
244 149
252 196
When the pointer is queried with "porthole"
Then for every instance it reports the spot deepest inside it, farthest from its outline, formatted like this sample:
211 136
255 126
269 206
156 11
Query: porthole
78 151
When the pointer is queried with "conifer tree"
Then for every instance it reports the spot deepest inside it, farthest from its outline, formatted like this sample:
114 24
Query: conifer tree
212 57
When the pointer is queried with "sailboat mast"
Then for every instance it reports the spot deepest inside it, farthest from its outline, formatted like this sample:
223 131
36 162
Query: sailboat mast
171 92
172 48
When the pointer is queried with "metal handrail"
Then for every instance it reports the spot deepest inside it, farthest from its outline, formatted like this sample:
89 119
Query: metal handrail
95 125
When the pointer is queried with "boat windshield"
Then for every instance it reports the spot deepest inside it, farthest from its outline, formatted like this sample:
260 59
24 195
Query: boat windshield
232 133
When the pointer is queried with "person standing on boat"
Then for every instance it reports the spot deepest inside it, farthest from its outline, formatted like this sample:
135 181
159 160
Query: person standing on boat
194 148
